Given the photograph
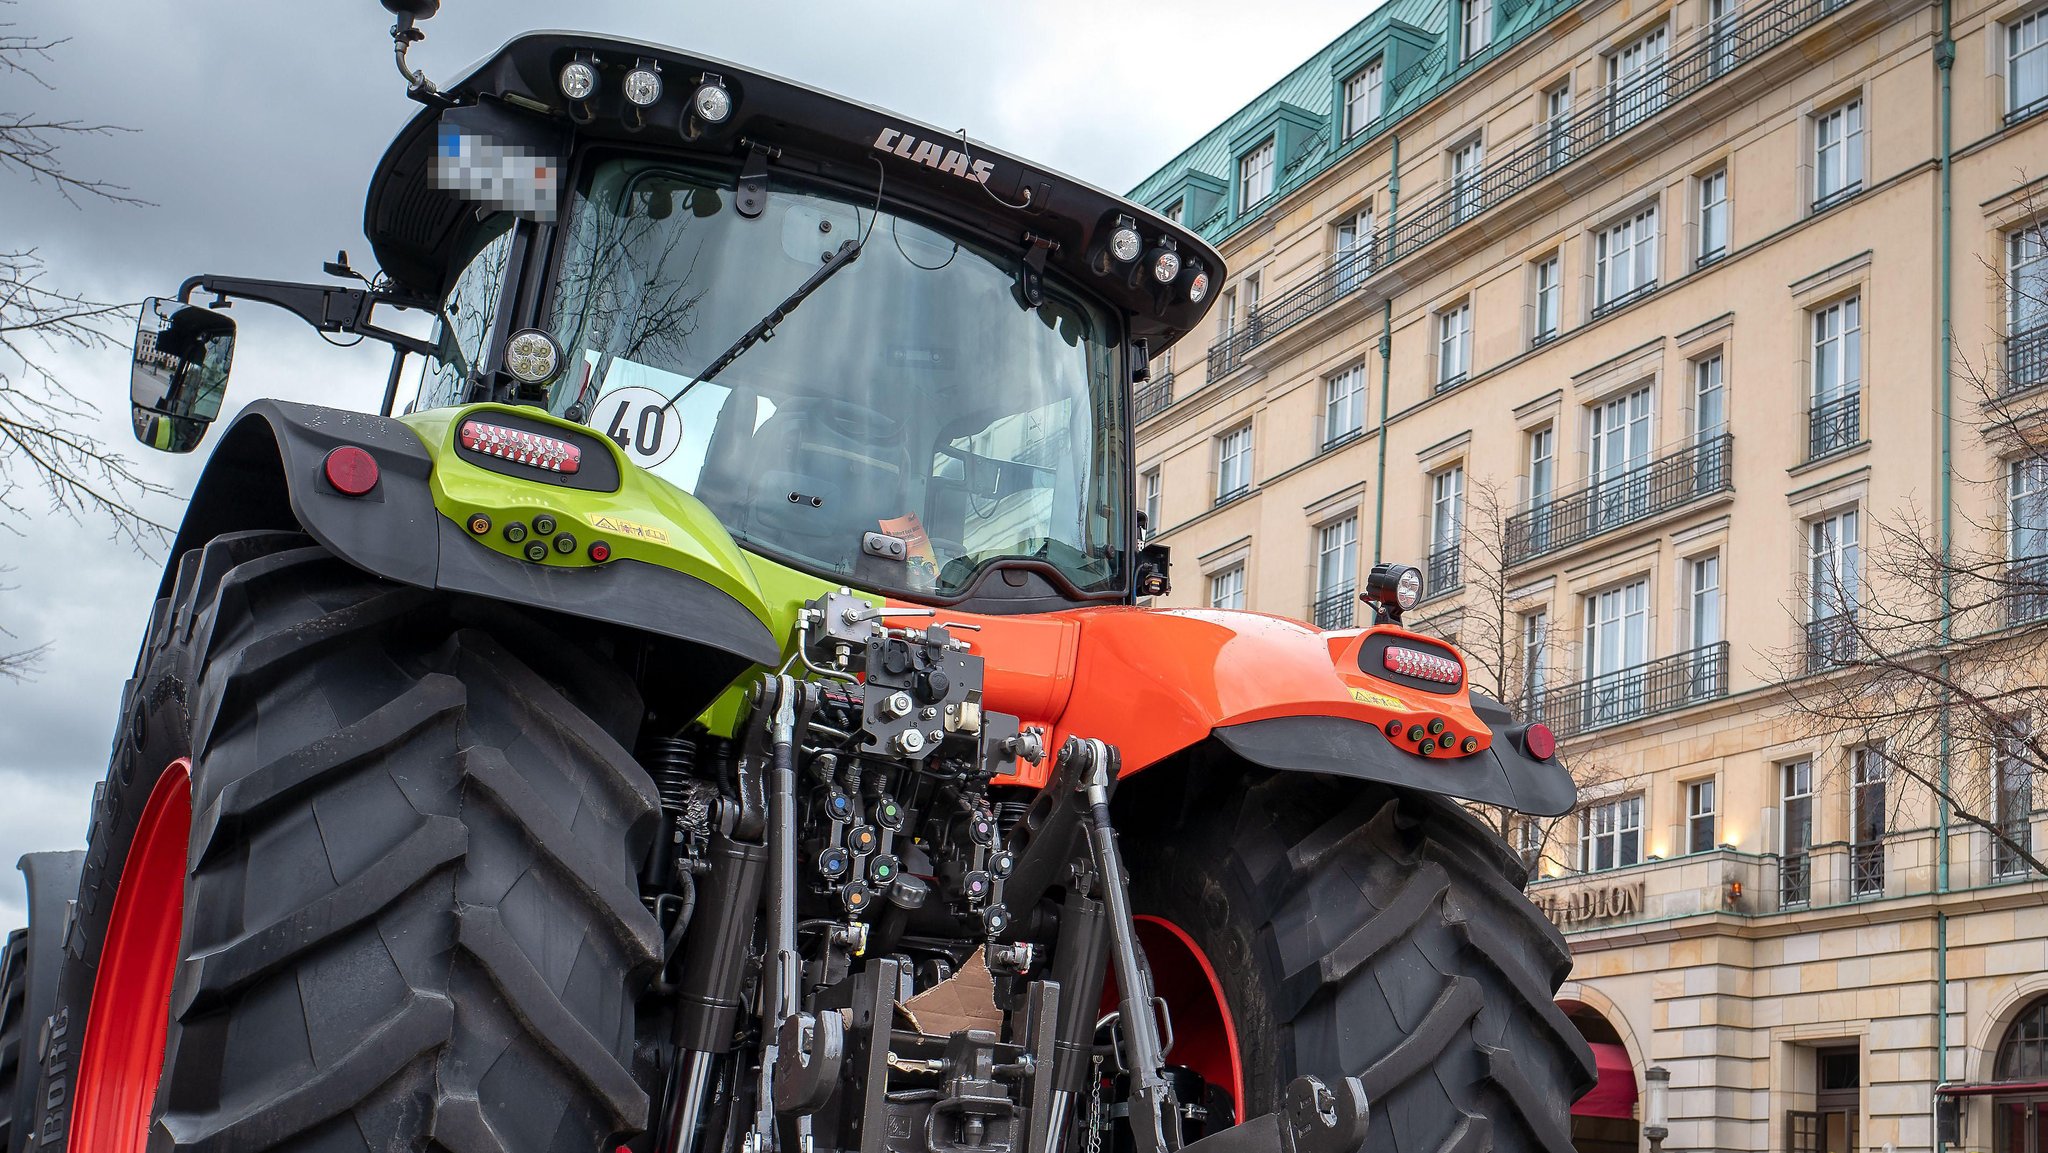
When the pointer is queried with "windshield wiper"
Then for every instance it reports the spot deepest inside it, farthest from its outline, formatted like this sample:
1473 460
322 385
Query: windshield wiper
765 328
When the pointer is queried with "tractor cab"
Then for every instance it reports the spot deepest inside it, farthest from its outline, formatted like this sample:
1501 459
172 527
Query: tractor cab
876 351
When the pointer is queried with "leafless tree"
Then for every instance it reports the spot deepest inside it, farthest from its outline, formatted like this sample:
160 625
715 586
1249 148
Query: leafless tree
46 441
1513 660
1934 649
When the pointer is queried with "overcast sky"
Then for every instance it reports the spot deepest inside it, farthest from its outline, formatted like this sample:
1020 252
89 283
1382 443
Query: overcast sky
256 125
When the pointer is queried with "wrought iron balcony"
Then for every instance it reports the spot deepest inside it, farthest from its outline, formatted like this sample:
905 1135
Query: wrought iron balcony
1795 880
1334 609
1441 572
1623 300
1554 146
1830 641
1223 498
2026 360
1152 398
1866 869
1834 425
1823 203
2006 860
2034 107
2026 590
1645 690
1594 506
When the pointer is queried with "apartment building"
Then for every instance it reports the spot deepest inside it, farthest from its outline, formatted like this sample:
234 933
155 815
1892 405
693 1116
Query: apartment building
1625 322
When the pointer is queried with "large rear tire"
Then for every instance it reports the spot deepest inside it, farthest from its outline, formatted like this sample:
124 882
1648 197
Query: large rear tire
1355 929
410 918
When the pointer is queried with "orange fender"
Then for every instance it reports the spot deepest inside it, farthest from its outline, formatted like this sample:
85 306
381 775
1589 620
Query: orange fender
1278 693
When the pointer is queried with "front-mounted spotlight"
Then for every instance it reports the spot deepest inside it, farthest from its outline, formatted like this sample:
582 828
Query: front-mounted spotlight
1392 589
578 79
1124 241
643 83
533 357
1197 282
711 104
1164 261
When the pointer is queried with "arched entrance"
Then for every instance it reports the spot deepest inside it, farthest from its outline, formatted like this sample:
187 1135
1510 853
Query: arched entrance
1604 1120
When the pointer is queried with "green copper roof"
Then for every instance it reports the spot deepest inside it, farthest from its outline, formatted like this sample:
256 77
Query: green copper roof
1415 38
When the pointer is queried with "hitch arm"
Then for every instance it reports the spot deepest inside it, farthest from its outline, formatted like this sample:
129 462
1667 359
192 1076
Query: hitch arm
1313 1118
329 308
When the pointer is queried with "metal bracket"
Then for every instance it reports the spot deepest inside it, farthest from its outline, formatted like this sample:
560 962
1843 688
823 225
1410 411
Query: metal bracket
751 197
1313 1118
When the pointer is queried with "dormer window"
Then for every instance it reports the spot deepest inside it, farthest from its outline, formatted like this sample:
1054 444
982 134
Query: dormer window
1255 175
1362 98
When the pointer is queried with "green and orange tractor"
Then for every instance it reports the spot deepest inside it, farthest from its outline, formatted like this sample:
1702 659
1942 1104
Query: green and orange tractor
667 738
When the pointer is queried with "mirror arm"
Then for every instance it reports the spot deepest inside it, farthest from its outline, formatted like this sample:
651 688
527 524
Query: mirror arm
327 308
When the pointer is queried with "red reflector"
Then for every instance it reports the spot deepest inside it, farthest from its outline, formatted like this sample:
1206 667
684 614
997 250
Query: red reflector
1428 666
521 447
351 470
600 551
1539 741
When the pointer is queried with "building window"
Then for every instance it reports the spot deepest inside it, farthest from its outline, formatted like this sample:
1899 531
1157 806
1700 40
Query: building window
1709 426
1535 663
1336 573
2026 539
1226 317
1549 298
1528 841
1834 565
2026 66
1837 154
1354 249
1625 259
1700 829
1835 422
1453 344
1466 161
1618 459
1617 644
2026 318
1542 486
1153 489
1714 216
1795 809
1362 94
1446 521
1343 406
1174 210
1832 1123
2012 800
1248 292
1721 19
1226 589
1637 88
1476 26
1255 176
1557 124
1611 834
1868 771
1233 464
1706 673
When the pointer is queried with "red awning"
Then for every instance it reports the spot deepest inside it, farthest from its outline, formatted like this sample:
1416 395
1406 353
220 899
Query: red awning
1614 1095
1984 1090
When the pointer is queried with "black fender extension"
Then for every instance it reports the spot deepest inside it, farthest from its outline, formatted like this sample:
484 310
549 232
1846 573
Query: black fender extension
267 472
1342 747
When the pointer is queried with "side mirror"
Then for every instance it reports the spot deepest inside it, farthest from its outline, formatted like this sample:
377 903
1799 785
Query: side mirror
179 373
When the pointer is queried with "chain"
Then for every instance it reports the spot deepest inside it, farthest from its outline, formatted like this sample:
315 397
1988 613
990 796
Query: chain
1095 1118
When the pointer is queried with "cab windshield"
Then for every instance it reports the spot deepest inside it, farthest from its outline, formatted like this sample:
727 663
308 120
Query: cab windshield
912 395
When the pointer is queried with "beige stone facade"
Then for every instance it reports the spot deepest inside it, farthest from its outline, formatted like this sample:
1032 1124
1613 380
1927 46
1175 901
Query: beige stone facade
1730 379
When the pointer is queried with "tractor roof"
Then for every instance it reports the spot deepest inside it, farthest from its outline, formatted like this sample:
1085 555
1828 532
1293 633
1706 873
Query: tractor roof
1012 202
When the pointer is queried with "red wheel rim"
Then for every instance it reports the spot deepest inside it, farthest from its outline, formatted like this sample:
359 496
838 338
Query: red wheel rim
123 1055
1204 1036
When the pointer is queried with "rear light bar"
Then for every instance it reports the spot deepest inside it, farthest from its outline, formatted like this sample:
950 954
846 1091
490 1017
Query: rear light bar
1427 666
521 447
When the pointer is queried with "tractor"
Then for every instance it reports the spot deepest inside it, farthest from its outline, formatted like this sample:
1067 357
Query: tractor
724 712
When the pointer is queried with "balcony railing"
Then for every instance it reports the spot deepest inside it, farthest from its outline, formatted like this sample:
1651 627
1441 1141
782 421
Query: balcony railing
1593 507
2034 107
1623 300
1830 641
1834 425
2026 590
1866 869
1795 880
1823 203
1152 398
2006 860
1660 686
1553 147
2026 360
1333 610
1441 573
